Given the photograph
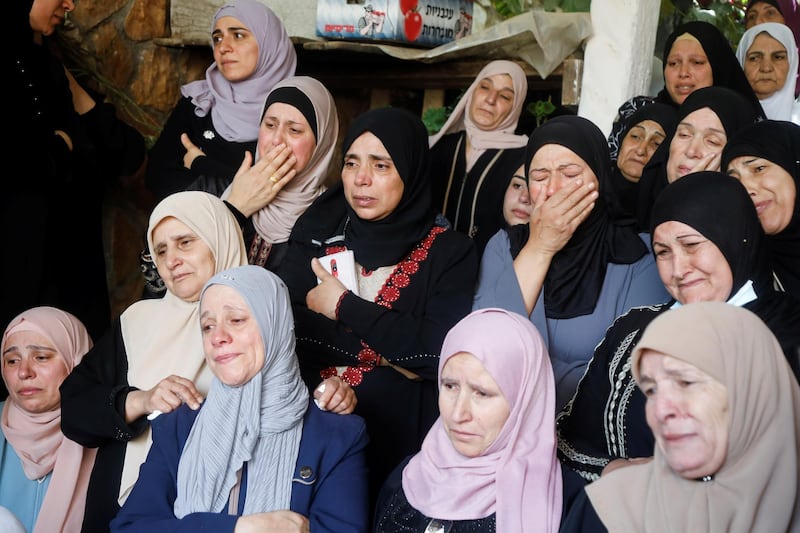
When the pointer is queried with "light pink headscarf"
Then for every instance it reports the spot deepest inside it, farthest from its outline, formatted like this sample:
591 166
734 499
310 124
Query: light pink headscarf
37 438
518 477
235 106
503 136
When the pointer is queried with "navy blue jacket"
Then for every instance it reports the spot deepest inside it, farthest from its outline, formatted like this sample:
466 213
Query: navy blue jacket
333 496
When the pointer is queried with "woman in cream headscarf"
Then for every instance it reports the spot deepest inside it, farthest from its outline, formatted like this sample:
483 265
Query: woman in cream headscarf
152 359
476 151
714 374
43 475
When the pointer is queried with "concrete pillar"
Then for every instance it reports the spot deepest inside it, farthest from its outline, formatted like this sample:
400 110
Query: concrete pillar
618 58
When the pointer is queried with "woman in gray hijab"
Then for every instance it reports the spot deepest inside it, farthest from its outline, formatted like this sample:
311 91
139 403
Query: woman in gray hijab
258 454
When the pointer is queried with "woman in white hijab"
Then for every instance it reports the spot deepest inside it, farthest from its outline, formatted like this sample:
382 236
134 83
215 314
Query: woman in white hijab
152 359
768 55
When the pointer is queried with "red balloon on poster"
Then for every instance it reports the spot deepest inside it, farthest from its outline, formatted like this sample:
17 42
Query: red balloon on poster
407 5
413 25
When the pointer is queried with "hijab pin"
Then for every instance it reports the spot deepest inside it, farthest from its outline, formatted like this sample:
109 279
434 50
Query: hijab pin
208 134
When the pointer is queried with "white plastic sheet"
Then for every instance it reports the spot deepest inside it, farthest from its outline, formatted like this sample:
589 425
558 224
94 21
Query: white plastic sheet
542 39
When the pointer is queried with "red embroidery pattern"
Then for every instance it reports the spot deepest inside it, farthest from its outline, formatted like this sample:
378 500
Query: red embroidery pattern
400 278
334 249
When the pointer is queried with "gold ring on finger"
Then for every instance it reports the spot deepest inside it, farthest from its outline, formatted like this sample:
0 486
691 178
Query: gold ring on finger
274 178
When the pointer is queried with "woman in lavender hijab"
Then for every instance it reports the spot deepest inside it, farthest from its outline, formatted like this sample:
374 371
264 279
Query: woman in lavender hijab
217 120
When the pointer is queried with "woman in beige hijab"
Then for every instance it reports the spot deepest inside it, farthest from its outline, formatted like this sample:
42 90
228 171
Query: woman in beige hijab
152 361
724 408
477 150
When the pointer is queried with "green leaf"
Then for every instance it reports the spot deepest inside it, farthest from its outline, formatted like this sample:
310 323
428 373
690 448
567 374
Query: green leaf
575 6
434 118
541 109
507 8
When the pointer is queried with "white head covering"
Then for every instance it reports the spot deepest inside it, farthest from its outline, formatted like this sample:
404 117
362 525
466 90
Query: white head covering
162 337
779 105
501 137
259 423
235 106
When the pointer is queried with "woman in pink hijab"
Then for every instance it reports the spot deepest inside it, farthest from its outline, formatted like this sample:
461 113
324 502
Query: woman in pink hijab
43 475
489 462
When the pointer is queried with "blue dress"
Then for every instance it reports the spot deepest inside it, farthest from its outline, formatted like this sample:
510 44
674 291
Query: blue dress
571 342
20 495
329 485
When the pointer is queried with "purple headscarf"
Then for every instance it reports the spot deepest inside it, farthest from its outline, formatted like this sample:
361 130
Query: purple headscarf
236 107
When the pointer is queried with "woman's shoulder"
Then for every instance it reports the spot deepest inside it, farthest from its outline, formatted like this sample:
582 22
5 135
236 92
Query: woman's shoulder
453 247
324 429
452 237
139 307
506 157
447 144
633 320
184 111
174 427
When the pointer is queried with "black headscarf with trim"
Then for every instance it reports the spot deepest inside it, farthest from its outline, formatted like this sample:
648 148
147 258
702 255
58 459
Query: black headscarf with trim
623 194
575 278
773 3
720 208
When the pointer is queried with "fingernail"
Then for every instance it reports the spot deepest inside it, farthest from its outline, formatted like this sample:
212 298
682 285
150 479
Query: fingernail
321 388
319 404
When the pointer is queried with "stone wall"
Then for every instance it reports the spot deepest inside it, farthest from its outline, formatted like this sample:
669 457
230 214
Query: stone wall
114 46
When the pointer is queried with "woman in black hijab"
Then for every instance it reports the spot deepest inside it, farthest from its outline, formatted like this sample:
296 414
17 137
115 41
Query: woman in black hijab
642 133
696 143
696 55
765 157
605 419
570 270
414 281
725 68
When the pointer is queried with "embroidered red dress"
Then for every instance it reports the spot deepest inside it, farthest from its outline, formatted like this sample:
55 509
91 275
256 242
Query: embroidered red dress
426 293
